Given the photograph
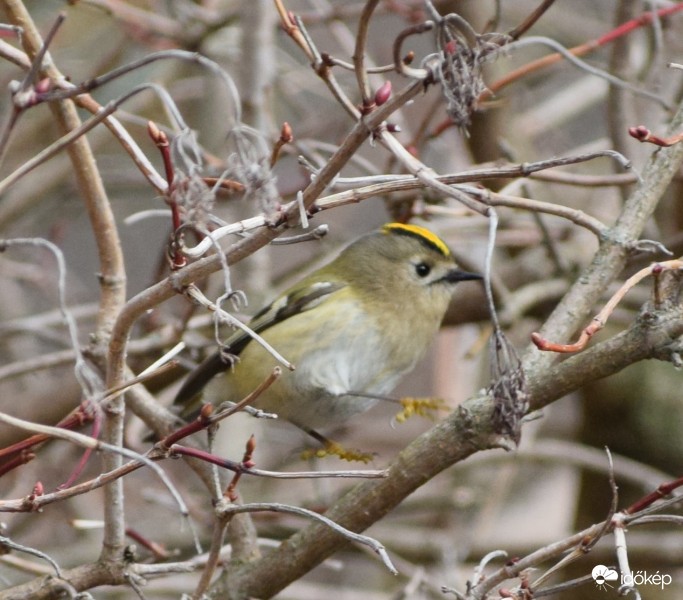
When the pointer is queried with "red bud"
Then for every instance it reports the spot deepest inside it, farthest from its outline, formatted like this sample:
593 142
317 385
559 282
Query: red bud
286 134
383 93
640 132
206 411
44 85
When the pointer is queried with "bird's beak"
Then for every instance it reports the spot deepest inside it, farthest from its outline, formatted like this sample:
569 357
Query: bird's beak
456 275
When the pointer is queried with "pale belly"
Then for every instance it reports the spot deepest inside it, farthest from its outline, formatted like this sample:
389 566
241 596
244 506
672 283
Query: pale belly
320 391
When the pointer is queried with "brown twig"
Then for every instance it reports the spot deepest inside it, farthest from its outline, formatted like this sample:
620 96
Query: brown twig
530 20
333 61
229 185
367 103
400 64
218 535
290 27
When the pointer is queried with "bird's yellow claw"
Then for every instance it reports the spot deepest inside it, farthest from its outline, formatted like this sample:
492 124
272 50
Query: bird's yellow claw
423 407
334 449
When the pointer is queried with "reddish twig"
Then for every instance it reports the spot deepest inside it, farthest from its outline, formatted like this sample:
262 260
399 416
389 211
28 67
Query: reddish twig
224 463
158 550
643 134
75 419
207 417
286 137
600 319
661 492
160 139
87 453
201 422
625 28
21 459
248 463
643 20
288 23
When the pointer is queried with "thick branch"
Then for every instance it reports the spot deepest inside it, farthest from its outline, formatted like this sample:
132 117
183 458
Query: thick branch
112 270
81 578
466 431
652 336
572 312
451 441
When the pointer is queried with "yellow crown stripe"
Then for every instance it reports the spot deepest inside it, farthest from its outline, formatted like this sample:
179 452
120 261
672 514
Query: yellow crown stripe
425 235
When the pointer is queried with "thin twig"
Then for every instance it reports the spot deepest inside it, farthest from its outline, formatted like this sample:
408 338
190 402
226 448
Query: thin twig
87 442
367 103
600 320
349 535
584 66
87 377
218 535
67 140
625 28
225 317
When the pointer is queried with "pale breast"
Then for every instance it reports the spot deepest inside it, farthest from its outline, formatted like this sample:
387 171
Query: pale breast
346 355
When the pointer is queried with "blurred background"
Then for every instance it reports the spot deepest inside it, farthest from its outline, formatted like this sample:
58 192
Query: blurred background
556 483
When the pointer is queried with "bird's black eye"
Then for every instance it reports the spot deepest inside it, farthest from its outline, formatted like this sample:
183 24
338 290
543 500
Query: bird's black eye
422 269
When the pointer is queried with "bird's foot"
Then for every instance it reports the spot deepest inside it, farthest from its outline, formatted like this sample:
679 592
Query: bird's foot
423 407
331 448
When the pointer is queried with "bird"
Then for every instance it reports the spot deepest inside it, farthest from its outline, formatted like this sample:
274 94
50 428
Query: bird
351 329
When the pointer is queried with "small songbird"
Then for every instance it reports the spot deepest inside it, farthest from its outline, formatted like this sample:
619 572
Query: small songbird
352 329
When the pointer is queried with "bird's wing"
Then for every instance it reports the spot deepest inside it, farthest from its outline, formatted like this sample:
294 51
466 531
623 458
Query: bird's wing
293 303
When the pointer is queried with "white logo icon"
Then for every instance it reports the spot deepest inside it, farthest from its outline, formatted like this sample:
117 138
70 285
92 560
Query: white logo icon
602 574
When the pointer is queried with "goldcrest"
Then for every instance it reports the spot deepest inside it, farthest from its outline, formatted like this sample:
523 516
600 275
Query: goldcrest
352 329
